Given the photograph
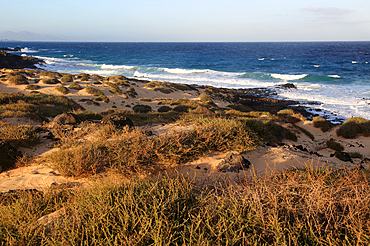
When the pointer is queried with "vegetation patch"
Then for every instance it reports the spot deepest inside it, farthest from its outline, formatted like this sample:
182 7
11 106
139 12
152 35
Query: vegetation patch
332 144
83 76
290 116
32 87
75 86
51 81
142 108
323 124
35 105
164 109
67 78
114 88
353 127
62 89
18 135
17 79
131 92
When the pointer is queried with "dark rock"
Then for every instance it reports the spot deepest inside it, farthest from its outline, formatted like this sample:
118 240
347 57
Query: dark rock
18 62
270 144
233 163
343 156
118 120
287 86
8 155
66 118
300 147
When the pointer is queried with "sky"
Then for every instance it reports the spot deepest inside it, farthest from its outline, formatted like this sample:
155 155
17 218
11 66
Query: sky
190 20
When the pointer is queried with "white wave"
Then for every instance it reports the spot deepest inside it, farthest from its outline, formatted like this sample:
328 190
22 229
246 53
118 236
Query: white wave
117 67
334 76
316 66
27 50
261 59
288 76
355 62
183 71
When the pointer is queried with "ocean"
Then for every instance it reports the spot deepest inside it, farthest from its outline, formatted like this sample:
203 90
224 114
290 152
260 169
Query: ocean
332 78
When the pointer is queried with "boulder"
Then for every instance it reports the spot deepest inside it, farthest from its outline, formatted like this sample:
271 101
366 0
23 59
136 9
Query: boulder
118 120
66 119
233 163
8 155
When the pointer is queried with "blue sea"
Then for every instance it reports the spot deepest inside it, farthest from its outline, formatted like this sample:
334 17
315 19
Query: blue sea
335 75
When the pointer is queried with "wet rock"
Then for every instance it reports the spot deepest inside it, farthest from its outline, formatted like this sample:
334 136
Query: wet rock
233 163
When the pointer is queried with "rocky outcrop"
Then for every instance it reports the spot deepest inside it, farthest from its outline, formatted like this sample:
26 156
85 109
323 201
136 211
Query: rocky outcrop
18 62
233 163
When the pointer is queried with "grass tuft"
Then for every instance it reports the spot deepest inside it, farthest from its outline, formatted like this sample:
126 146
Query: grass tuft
353 127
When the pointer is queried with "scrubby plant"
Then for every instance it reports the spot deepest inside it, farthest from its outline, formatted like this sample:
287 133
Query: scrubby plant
145 99
290 116
35 105
94 91
240 107
142 108
62 89
75 86
17 79
205 98
181 108
353 127
131 92
332 144
50 81
114 88
32 87
83 76
323 124
18 135
164 109
67 78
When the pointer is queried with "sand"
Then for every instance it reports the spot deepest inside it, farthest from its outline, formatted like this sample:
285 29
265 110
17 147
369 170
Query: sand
264 158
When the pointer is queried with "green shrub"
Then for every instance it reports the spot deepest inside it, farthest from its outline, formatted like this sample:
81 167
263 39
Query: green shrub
114 88
164 109
323 124
205 98
51 81
145 99
67 78
83 76
353 127
18 135
142 108
75 86
269 131
240 107
181 108
131 92
61 89
290 116
332 144
32 87
17 80
94 91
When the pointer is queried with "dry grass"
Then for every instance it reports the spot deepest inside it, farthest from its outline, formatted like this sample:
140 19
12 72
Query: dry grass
294 207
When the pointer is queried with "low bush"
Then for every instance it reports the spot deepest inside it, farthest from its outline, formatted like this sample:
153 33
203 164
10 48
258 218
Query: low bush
83 76
17 80
131 92
332 144
61 89
323 124
142 108
94 91
18 135
240 107
290 116
35 105
50 81
32 87
353 127
114 88
164 109
205 98
67 78
145 99
75 86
